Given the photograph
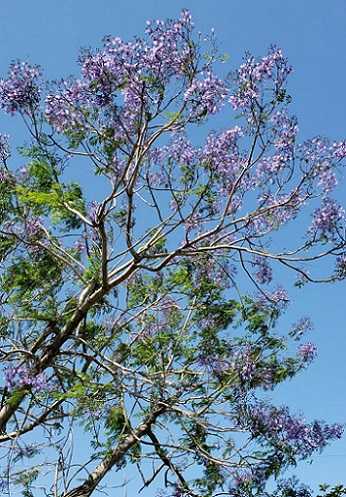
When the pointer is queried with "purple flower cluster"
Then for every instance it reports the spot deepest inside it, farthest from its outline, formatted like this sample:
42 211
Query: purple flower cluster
319 158
158 321
245 365
269 167
276 211
214 271
243 479
341 266
180 150
213 363
279 425
241 361
20 376
205 96
339 149
222 154
285 129
68 109
327 220
264 273
20 91
252 74
4 148
326 177
33 228
93 211
168 54
3 175
118 79
314 150
278 299
79 245
307 352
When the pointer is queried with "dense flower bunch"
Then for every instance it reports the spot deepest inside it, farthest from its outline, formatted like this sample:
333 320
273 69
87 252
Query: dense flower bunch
20 91
145 287
254 74
328 219
20 376
4 148
303 438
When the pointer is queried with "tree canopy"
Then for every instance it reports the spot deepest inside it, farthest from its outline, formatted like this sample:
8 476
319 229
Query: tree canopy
129 332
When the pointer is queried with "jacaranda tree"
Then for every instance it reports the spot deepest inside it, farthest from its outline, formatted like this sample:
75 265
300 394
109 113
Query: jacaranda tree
129 234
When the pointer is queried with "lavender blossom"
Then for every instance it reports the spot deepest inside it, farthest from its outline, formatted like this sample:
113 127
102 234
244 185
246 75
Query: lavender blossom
221 153
307 352
206 96
339 149
20 91
327 220
21 377
4 148
326 177
278 299
341 266
285 130
278 424
4 175
252 74
264 273
33 228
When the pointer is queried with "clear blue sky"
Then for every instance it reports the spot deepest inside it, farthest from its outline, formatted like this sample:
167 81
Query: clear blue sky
313 36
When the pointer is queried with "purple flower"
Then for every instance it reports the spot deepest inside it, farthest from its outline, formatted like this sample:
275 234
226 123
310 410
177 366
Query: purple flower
341 266
327 219
182 151
285 129
20 376
278 210
280 426
264 273
205 96
339 149
66 110
256 475
307 352
221 153
326 177
20 91
33 228
269 167
4 176
213 363
242 478
247 367
79 245
93 210
4 148
278 299
252 74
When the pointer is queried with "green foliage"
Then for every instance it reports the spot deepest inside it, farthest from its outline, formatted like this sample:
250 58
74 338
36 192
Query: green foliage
115 422
329 491
27 277
52 200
